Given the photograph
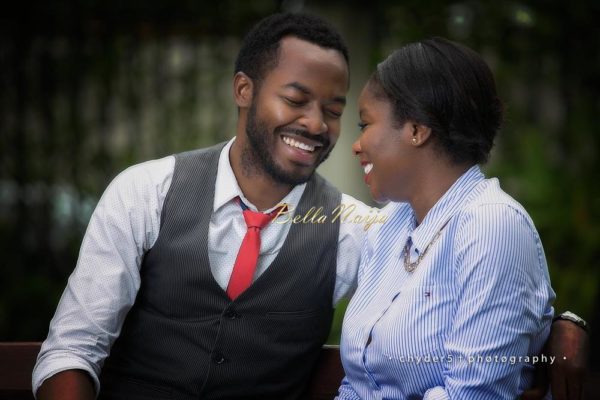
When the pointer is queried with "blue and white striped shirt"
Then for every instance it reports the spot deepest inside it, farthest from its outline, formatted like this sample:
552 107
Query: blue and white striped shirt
468 321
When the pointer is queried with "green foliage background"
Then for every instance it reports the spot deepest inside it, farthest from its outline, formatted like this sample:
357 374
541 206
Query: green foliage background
88 88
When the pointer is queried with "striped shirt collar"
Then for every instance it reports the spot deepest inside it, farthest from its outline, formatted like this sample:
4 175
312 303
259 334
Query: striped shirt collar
227 188
447 206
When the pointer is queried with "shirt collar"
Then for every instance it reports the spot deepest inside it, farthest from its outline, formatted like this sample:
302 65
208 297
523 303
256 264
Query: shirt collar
449 204
227 188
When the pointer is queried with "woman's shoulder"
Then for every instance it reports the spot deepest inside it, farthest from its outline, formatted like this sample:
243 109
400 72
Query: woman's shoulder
494 211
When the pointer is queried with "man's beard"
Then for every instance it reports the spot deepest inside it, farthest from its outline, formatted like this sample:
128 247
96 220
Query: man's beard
258 157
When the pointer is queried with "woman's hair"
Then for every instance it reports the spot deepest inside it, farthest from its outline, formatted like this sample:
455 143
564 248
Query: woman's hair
447 87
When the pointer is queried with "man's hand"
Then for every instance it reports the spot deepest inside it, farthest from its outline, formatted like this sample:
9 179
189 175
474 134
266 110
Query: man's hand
569 343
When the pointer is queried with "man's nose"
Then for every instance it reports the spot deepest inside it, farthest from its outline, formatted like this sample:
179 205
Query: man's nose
314 122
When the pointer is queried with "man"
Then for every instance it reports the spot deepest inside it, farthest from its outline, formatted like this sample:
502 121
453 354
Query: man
163 278
186 334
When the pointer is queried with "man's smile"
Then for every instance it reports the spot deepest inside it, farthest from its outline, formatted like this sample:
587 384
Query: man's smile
301 143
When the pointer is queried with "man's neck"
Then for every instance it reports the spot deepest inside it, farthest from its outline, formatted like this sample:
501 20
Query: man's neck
263 193
257 186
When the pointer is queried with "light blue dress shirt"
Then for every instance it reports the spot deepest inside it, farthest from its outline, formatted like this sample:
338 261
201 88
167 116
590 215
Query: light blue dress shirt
466 323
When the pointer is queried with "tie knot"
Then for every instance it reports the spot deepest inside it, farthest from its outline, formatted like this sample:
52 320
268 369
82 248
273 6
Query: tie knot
257 219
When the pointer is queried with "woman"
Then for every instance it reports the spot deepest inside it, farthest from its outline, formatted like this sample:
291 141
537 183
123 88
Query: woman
454 296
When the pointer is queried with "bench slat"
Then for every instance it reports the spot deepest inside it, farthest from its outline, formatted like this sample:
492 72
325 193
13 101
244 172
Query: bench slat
17 360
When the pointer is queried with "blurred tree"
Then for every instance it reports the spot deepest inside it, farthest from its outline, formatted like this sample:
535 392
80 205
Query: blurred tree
86 89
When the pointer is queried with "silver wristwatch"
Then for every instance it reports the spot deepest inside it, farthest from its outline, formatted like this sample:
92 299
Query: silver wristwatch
576 319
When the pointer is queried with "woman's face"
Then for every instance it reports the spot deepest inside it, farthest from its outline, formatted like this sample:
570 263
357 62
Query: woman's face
384 149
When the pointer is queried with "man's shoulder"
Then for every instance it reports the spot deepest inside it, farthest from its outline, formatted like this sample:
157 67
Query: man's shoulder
149 172
195 166
201 152
139 188
323 185
350 201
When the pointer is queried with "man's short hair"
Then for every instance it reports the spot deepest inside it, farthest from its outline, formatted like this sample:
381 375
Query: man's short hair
260 49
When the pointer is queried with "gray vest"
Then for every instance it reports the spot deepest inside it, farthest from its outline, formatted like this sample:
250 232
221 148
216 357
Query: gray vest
185 339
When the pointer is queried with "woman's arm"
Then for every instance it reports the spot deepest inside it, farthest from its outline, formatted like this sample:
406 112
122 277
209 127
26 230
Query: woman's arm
504 306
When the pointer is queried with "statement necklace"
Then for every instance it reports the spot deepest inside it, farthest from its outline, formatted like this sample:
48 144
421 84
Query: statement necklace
410 267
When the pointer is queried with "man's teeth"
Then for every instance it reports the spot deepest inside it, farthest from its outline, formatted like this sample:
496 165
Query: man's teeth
368 167
291 142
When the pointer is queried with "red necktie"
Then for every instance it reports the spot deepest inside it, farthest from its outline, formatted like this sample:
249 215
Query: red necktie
245 263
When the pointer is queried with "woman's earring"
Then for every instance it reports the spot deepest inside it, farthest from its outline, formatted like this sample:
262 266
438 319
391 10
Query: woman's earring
414 140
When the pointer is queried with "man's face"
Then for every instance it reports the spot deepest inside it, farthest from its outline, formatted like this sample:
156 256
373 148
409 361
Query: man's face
294 119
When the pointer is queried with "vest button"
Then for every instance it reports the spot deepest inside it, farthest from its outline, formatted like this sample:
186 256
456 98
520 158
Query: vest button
231 314
218 358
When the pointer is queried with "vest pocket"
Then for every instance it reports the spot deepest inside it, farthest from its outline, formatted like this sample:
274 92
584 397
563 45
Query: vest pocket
291 314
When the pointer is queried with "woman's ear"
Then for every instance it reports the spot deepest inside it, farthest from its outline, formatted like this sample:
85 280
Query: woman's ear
242 90
420 134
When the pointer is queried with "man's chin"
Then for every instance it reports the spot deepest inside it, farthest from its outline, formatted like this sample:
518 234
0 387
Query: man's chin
294 176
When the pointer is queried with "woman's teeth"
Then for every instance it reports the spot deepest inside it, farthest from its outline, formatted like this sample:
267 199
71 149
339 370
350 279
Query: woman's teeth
293 143
368 167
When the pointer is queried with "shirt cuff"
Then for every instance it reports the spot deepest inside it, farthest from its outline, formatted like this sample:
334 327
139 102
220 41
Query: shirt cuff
436 393
51 365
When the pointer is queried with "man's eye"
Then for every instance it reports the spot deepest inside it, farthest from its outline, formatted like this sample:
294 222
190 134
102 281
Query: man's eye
362 126
334 114
293 102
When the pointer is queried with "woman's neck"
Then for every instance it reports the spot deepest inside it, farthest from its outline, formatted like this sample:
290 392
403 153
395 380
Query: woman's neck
433 182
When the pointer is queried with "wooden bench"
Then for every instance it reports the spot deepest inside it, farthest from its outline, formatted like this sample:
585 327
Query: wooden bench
18 358
16 364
